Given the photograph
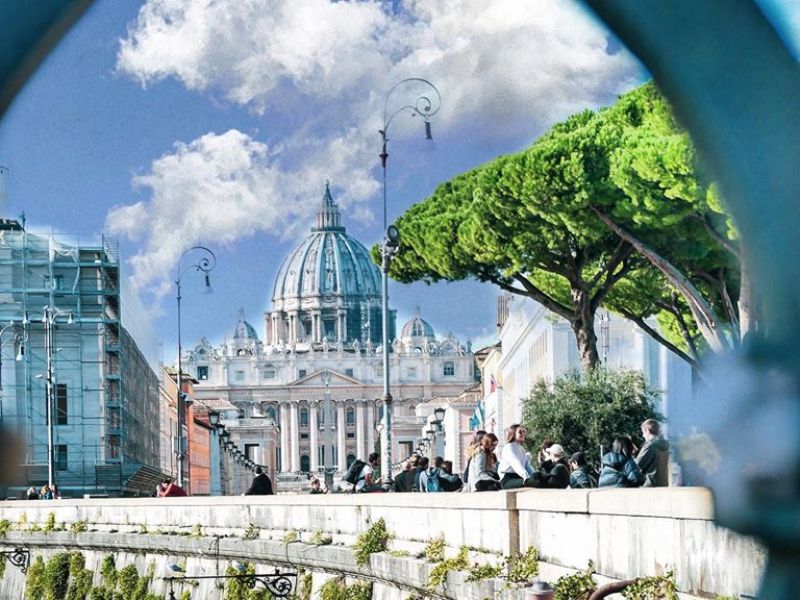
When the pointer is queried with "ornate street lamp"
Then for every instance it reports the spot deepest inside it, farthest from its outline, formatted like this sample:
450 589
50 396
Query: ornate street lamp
438 414
19 338
425 105
205 265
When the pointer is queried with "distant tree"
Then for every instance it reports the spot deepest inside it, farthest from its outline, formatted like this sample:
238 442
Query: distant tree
583 411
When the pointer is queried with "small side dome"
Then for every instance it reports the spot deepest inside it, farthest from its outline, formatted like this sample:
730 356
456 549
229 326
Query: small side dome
417 328
244 332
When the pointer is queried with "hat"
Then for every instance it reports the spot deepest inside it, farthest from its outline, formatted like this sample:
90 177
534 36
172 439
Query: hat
556 451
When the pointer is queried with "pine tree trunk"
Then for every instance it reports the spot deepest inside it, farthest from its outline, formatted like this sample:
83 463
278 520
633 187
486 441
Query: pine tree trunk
583 328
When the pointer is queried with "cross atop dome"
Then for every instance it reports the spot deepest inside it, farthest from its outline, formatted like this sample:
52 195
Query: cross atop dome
329 218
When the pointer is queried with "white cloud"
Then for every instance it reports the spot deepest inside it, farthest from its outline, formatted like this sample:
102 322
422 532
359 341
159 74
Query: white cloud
506 69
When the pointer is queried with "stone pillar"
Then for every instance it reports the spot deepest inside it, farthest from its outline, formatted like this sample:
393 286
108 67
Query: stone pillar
341 439
285 436
294 435
370 426
268 328
361 440
313 436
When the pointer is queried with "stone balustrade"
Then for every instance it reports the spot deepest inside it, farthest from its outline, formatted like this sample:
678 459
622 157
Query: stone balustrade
625 533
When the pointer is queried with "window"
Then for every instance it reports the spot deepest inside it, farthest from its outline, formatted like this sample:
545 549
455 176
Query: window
351 458
57 282
202 373
351 435
278 457
250 450
240 413
303 436
269 373
301 373
305 463
270 413
239 375
348 372
61 404
303 417
351 415
61 457
449 368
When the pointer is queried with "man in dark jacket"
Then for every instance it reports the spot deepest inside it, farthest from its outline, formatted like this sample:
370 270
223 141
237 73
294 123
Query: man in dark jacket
261 486
653 458
583 476
404 482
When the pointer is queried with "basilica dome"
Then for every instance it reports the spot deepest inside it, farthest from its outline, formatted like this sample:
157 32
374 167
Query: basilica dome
327 288
417 327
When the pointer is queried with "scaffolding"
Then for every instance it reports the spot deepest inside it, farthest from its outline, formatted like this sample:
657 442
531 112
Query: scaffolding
105 396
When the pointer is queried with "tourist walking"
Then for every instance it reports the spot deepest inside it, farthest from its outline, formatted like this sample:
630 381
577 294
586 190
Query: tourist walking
653 458
557 475
483 475
515 468
583 476
619 468
261 485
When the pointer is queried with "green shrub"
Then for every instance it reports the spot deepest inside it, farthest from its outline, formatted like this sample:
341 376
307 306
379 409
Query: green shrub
78 527
5 527
34 580
56 576
291 536
374 539
525 568
481 572
50 524
434 551
582 411
578 586
253 532
337 589
320 538
438 574
659 587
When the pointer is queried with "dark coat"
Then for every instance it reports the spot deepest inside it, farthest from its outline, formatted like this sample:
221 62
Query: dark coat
404 482
583 478
557 477
261 486
620 471
653 461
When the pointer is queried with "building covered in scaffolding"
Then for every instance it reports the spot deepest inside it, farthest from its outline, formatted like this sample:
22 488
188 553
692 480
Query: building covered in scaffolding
62 340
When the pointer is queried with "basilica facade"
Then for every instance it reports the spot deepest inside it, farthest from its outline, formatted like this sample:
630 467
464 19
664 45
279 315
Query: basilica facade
308 395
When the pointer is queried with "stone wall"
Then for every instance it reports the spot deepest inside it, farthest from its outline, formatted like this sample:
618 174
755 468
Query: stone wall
625 533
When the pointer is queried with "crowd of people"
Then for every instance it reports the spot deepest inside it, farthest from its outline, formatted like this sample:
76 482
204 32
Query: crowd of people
514 467
46 493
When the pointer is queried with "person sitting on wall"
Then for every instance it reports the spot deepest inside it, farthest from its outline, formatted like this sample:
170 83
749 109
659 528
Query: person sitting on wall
483 475
366 483
261 485
316 487
653 458
32 493
434 478
451 485
543 458
583 476
404 482
558 474
619 468
515 469
162 487
174 491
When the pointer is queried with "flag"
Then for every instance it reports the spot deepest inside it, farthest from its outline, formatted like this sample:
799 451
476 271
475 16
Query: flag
492 384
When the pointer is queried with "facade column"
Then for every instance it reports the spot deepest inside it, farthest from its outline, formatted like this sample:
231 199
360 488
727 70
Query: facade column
286 466
341 333
313 452
294 441
341 450
361 440
370 426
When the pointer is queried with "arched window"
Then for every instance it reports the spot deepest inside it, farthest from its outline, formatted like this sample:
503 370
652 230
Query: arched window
303 417
270 413
351 416
351 458
305 463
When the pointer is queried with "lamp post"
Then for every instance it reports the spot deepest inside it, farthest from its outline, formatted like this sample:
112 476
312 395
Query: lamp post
49 316
19 338
438 428
329 465
216 479
205 264
425 105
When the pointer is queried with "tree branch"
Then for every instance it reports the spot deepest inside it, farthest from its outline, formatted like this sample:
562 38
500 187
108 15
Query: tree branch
533 292
653 333
613 277
718 237
703 313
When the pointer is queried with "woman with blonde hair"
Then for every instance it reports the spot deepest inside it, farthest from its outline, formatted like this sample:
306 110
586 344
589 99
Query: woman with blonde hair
515 469
483 466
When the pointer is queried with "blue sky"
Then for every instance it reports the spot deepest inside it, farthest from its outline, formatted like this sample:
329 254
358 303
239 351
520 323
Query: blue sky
169 123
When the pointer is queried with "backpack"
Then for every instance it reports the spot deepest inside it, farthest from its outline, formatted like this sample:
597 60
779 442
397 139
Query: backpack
433 484
353 475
